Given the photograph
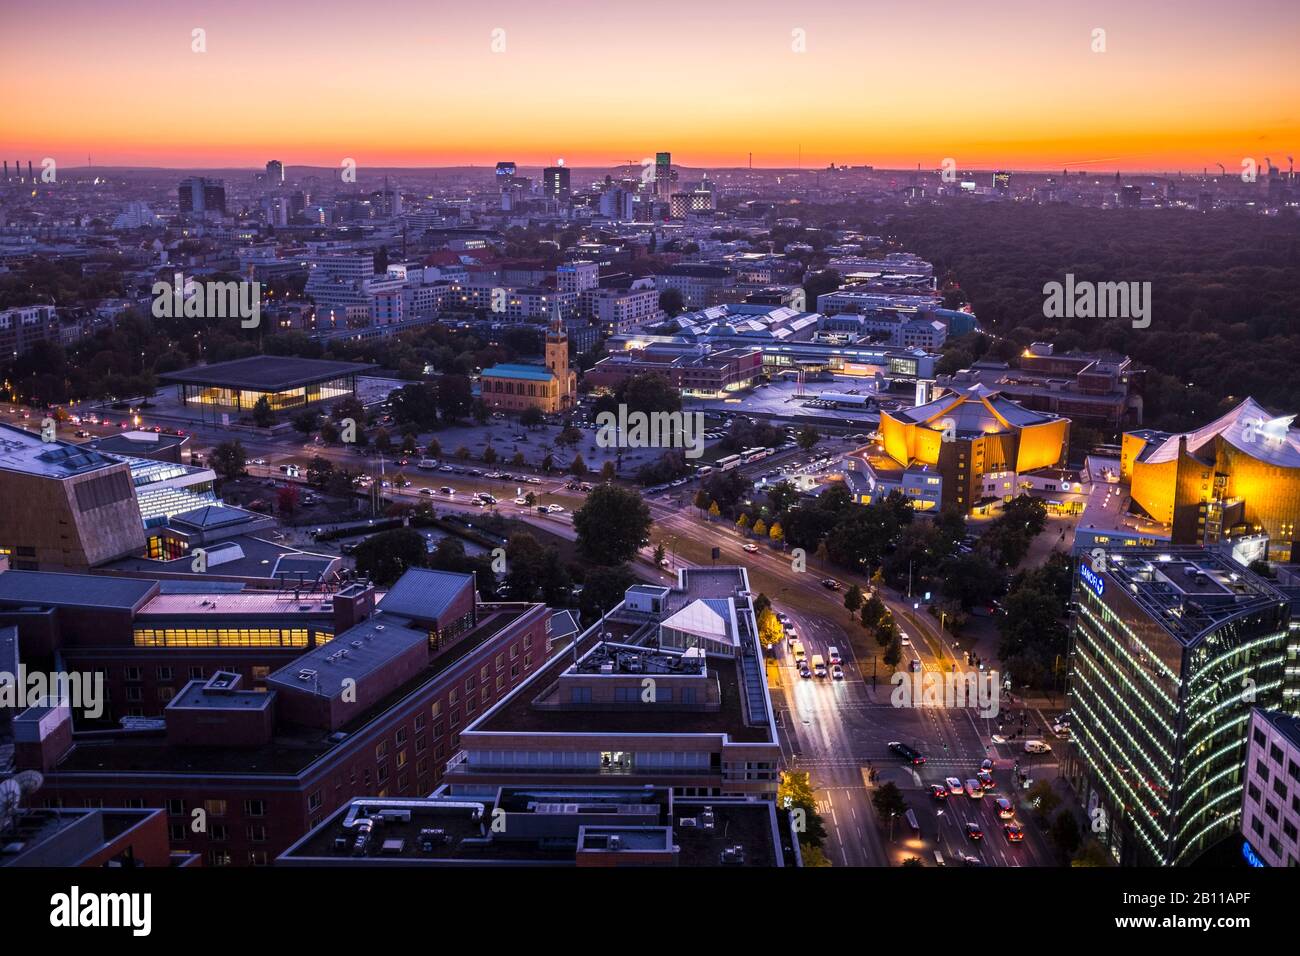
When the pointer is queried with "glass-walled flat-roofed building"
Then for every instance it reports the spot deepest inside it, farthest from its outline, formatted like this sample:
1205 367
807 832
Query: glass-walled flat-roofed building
1169 653
284 381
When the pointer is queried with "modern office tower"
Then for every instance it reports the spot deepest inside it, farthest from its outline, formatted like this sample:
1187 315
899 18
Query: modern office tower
505 174
1169 652
663 176
275 172
1270 806
578 276
1239 475
200 197
1002 181
555 183
618 203
1130 197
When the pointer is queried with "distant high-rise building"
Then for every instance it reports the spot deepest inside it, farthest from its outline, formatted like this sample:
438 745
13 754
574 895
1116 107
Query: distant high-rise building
663 176
505 173
555 183
1002 181
200 196
1130 197
275 172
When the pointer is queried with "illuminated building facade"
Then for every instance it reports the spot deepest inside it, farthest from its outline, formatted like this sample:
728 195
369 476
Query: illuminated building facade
1239 475
551 388
975 440
285 382
1169 653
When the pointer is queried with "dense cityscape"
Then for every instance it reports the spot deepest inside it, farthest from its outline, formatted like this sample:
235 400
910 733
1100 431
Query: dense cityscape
654 513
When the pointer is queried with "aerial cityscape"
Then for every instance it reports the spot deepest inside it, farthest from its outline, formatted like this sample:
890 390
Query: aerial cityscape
473 460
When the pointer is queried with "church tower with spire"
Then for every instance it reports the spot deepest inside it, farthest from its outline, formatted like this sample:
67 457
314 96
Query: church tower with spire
557 361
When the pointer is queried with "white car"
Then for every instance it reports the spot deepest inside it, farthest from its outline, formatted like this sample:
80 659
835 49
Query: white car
954 785
837 672
555 509
259 461
903 638
522 502
751 548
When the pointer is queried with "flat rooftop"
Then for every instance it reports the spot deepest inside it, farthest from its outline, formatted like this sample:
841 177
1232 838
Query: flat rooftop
353 655
53 589
23 451
1189 591
291 749
266 373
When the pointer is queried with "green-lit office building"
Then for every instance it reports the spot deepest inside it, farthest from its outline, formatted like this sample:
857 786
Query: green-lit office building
1169 653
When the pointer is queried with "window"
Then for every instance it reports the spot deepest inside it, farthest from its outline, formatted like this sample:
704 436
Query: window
314 801
215 808
255 808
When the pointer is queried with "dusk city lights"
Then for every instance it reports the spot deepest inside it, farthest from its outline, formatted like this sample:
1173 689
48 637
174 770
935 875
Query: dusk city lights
449 447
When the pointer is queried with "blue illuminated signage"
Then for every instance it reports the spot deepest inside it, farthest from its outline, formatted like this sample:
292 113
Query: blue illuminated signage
1094 580
1251 856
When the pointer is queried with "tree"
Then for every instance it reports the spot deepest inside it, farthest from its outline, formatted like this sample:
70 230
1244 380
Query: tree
286 499
873 611
776 533
384 557
714 510
578 467
463 453
853 599
760 527
608 472
612 525
228 459
889 800
893 654
455 397
603 588
1093 854
770 631
794 790
702 500
263 416
518 460
433 449
659 555
531 417
808 438
383 441
319 471
1065 834
305 421
670 300
782 497
489 455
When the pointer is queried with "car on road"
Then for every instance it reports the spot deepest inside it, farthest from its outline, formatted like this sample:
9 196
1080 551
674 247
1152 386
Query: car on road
833 655
447 491
1037 747
804 670
1005 810
910 754
522 502
974 831
974 790
903 638
837 672
954 785
986 765
830 584
751 548
426 491
556 509
446 468
258 461
986 780
1014 831
938 792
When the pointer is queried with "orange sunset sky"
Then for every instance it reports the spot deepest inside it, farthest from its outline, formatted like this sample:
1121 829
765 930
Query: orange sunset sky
1012 84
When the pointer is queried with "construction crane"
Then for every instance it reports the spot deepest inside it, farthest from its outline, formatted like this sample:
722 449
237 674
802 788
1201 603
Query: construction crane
1290 167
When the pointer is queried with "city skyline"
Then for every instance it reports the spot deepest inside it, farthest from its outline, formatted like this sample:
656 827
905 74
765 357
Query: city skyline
1022 89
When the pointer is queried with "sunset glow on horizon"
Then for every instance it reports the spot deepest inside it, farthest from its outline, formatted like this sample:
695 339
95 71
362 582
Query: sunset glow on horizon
1180 86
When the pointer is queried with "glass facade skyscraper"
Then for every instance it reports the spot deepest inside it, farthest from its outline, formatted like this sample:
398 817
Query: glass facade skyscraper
1169 653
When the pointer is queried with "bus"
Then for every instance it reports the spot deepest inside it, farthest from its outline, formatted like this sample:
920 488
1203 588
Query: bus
703 471
752 454
728 463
